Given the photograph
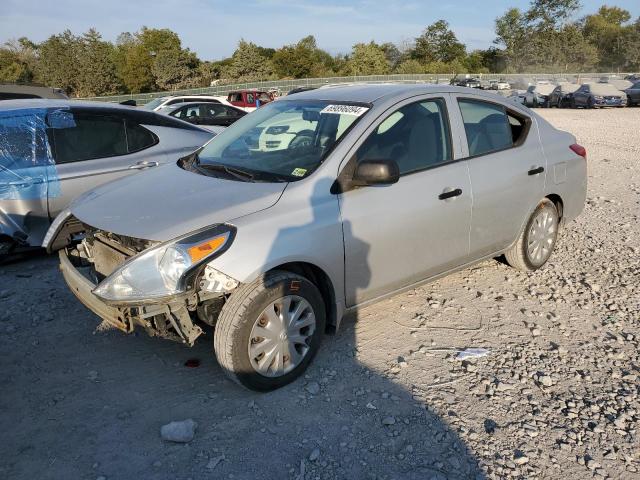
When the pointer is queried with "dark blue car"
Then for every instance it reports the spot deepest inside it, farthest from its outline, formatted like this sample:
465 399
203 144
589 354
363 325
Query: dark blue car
596 95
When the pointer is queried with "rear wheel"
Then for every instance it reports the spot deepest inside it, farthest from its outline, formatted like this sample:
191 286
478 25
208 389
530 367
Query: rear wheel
537 240
269 330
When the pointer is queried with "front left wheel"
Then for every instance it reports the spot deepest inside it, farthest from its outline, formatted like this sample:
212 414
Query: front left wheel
269 330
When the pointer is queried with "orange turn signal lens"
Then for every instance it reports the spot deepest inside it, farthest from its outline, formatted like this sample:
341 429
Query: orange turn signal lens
202 250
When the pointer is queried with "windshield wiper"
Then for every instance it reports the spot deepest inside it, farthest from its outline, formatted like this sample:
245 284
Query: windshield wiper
233 171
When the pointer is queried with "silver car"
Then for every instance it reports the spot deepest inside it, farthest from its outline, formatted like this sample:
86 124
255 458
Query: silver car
53 150
386 187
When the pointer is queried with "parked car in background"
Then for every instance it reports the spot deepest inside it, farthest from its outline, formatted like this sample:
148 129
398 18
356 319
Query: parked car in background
470 82
400 184
517 96
53 150
595 95
633 94
634 77
161 102
14 91
560 97
538 95
212 116
249 100
499 85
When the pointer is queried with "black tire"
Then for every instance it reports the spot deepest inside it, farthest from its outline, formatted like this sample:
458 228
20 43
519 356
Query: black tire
518 255
7 246
241 312
573 103
590 103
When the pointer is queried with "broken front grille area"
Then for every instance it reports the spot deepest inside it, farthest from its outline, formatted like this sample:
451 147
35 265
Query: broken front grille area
107 251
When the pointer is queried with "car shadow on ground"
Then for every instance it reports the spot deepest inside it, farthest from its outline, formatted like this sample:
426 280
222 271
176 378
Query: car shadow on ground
81 402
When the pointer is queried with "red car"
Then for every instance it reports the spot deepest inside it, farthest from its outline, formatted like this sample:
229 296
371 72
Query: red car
249 100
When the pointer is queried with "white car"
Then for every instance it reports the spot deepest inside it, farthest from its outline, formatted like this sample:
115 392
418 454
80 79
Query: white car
161 102
499 85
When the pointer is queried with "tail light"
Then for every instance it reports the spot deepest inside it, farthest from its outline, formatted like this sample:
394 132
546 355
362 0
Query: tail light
579 150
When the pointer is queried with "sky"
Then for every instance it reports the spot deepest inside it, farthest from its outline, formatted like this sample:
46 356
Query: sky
212 28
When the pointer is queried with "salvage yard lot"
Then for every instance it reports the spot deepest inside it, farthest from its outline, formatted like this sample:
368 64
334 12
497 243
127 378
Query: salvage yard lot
557 395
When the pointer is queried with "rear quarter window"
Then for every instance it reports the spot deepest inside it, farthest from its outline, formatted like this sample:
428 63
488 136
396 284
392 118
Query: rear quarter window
138 137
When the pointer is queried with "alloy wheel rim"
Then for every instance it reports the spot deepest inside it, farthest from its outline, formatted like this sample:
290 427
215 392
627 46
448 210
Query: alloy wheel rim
541 237
281 336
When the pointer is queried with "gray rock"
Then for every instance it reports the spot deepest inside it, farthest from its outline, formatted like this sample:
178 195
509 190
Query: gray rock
313 388
213 463
179 432
388 421
314 455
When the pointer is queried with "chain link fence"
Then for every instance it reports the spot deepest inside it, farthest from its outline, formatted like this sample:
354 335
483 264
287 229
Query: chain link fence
520 81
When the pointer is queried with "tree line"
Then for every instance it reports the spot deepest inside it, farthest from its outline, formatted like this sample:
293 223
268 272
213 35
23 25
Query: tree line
544 38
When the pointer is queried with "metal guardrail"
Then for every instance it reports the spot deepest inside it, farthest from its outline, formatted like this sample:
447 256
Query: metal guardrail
286 85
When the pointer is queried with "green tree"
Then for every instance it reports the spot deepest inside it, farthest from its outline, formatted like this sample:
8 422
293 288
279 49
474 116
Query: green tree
410 67
97 73
367 59
18 61
58 64
248 65
609 33
438 43
175 69
513 34
551 14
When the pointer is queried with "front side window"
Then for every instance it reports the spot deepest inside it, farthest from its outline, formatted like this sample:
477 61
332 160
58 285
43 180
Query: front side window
486 125
92 136
250 99
416 137
283 141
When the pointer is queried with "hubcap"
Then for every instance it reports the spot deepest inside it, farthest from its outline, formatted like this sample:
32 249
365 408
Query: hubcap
281 336
541 237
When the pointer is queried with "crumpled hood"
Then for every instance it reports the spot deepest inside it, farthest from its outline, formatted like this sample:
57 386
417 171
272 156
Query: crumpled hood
167 201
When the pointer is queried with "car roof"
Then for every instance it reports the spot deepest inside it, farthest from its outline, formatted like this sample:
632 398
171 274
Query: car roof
379 92
59 103
140 115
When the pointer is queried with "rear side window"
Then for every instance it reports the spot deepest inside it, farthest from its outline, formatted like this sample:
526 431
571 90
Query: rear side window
92 136
416 137
139 138
487 127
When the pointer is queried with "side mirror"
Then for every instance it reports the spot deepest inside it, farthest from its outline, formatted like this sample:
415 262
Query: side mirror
375 172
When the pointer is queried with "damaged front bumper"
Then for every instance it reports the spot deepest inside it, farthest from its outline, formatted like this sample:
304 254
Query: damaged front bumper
171 320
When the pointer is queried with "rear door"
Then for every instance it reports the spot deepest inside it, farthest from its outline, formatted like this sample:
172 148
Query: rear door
507 168
95 147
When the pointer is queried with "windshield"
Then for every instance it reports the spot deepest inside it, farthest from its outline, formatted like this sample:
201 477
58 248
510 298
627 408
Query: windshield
282 141
153 103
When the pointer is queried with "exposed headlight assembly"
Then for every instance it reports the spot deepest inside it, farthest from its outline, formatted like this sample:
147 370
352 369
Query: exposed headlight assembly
166 269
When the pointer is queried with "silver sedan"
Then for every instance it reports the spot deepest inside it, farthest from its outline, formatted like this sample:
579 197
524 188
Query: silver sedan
316 205
53 150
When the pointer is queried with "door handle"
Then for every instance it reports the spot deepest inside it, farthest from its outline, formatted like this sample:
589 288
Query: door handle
535 171
143 164
450 194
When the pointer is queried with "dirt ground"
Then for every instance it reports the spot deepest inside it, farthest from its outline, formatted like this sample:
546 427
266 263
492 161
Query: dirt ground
557 396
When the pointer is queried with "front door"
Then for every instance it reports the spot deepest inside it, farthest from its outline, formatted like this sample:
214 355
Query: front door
399 234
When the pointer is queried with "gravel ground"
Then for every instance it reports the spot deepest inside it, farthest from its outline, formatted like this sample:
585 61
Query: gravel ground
556 396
